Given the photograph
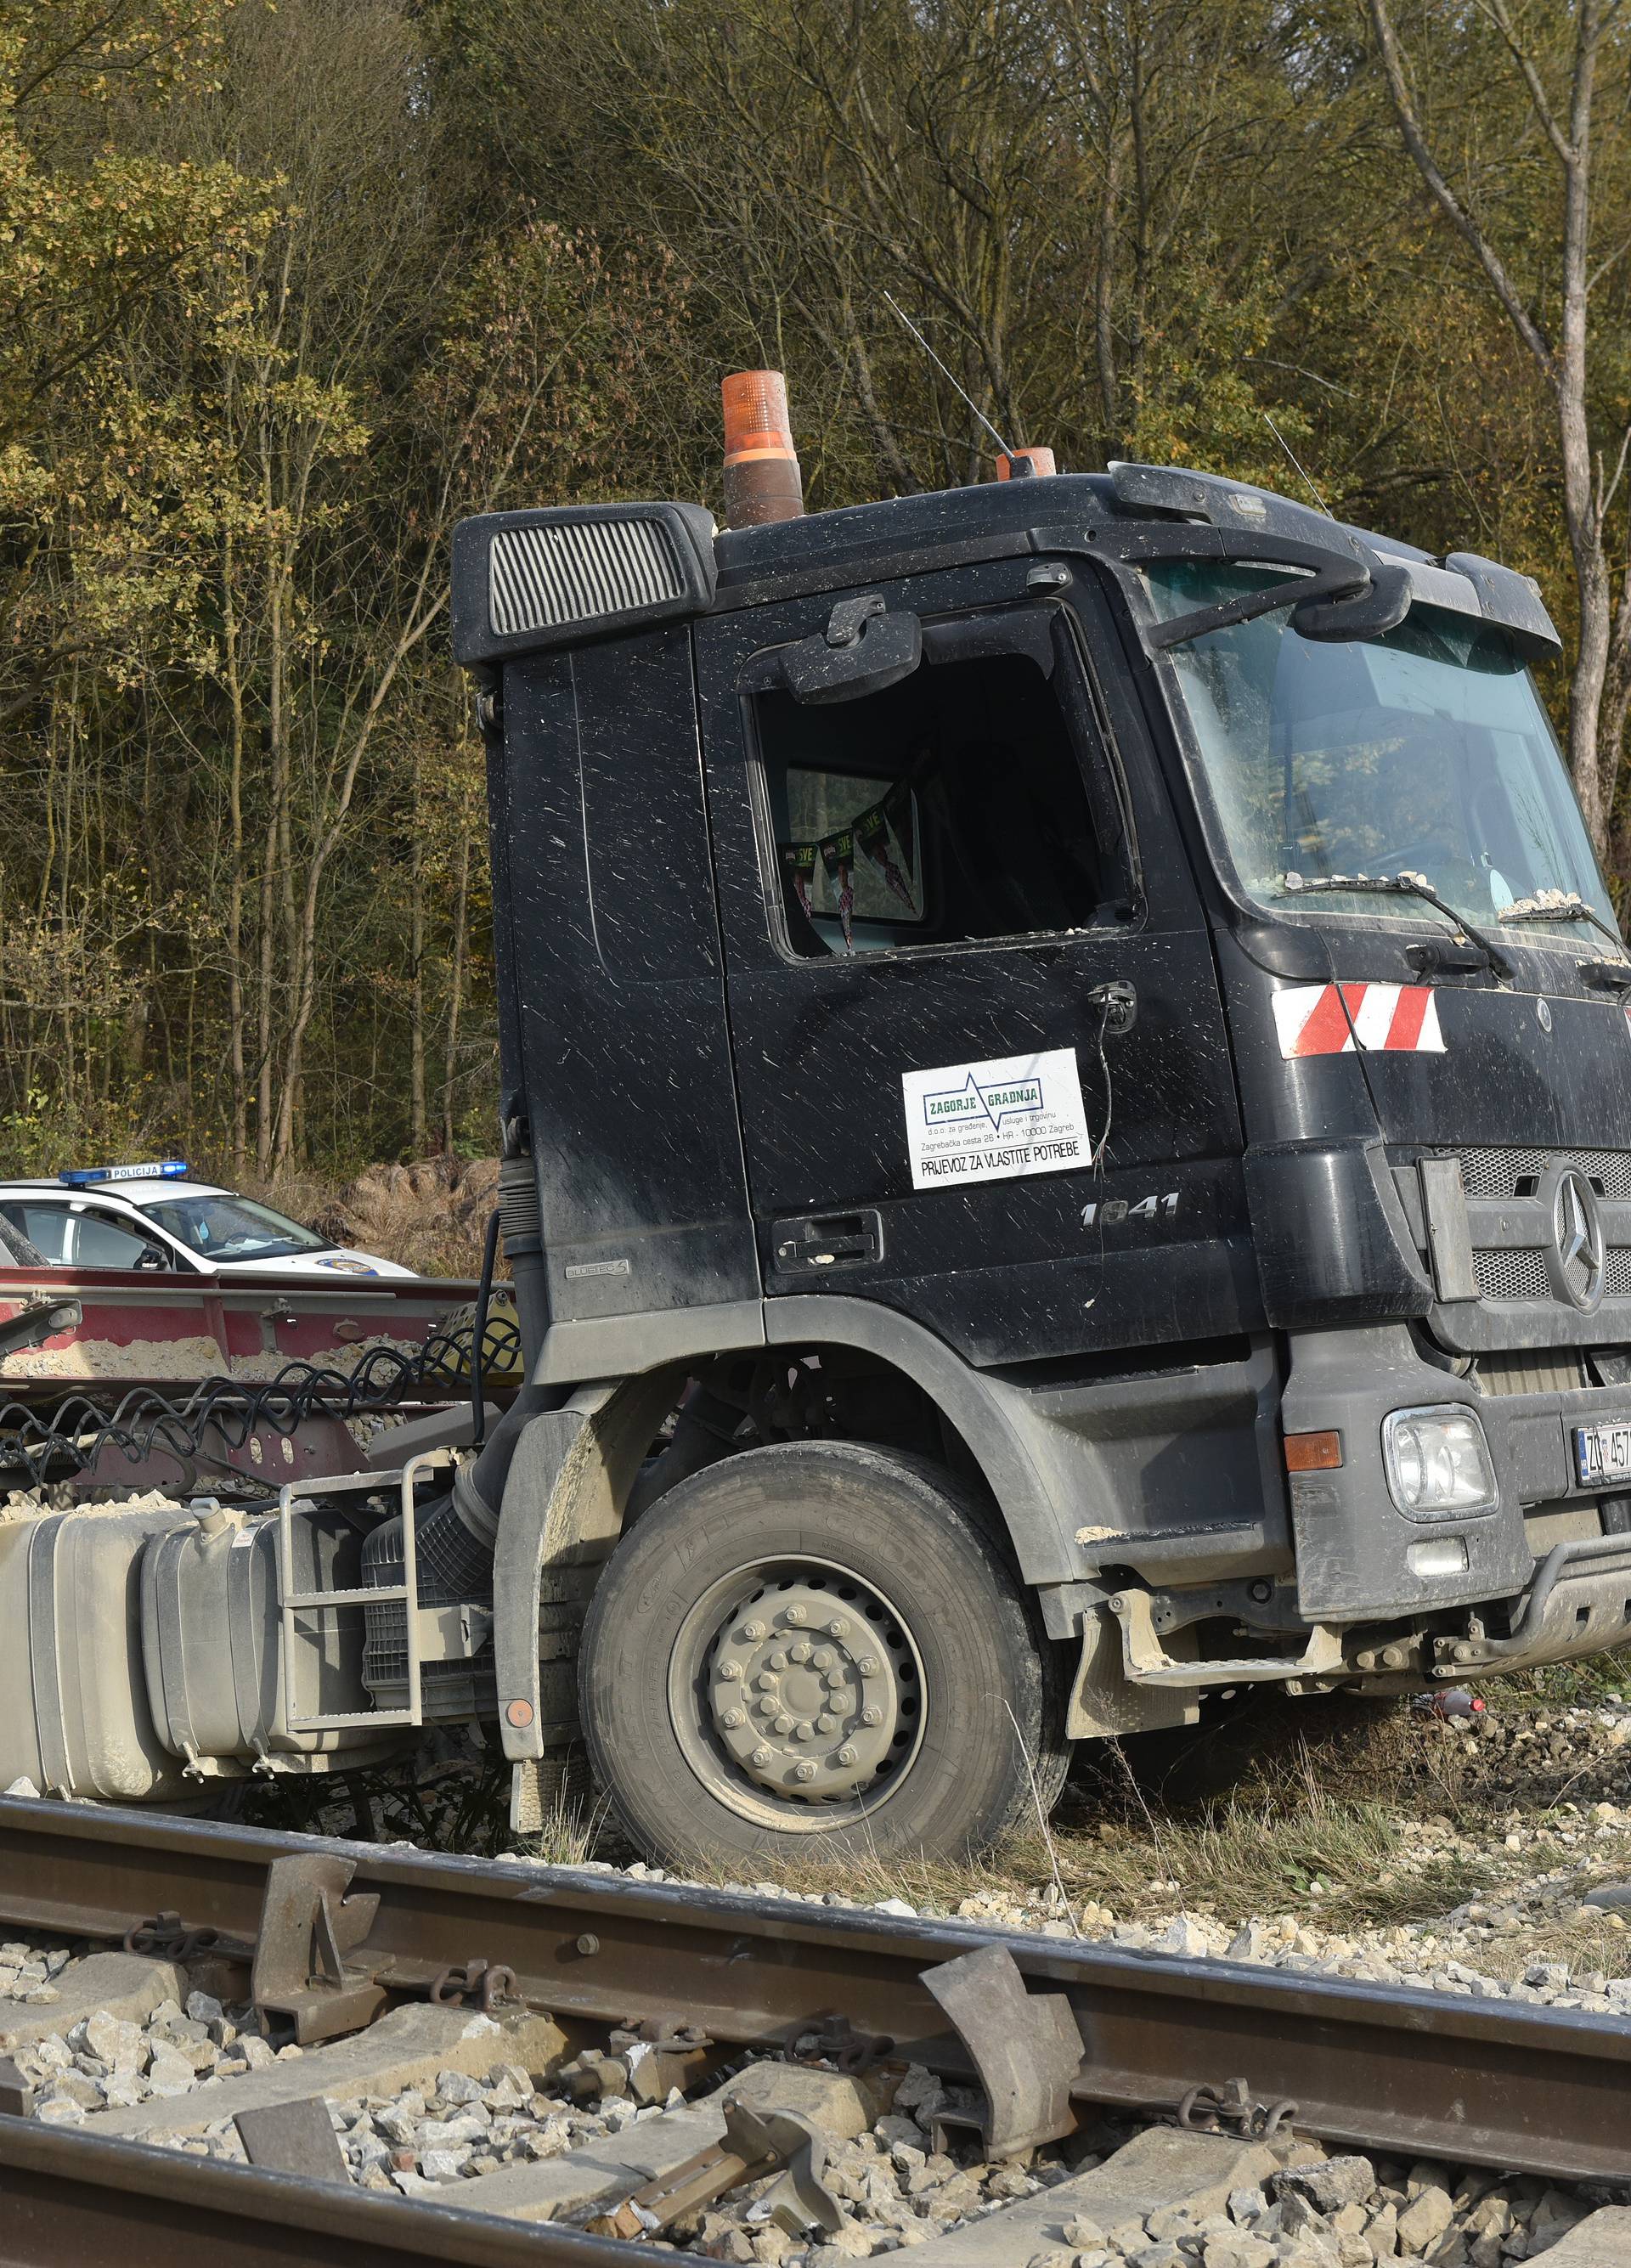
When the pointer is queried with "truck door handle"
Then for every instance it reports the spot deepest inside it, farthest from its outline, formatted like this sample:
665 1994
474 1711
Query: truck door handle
829 1239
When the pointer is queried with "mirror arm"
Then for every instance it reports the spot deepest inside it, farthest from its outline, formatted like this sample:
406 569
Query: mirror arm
1342 579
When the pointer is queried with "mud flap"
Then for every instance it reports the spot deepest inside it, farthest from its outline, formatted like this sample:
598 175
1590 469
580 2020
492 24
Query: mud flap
561 1516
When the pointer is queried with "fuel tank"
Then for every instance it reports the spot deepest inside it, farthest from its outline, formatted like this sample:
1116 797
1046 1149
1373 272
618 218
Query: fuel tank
145 1650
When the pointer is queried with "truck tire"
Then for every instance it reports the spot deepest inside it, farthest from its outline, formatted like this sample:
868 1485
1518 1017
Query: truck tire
814 1649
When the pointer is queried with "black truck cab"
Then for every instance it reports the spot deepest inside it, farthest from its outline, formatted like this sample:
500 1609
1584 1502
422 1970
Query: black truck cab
1067 1088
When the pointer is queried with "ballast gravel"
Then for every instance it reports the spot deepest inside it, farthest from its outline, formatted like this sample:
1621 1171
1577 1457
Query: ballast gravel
897 2190
1552 1824
108 2063
900 2192
28 1971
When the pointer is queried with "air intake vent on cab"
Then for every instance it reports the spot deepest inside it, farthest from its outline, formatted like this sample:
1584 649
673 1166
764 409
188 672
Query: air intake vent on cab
527 580
541 576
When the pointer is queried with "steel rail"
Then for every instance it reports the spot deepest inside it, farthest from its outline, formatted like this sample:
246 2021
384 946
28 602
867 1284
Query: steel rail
1525 2087
68 2198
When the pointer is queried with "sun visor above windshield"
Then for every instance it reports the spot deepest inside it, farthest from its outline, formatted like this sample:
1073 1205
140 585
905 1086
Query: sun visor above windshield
1512 600
1464 584
1430 586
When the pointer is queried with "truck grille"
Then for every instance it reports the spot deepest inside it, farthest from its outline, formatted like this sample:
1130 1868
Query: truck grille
1518 1274
1521 1274
1514 1173
1537 1370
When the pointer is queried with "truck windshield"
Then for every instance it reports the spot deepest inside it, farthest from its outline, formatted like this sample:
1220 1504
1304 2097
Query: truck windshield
1426 749
234 1228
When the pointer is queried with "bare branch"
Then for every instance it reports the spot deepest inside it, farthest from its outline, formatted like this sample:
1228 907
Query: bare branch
1462 221
1498 15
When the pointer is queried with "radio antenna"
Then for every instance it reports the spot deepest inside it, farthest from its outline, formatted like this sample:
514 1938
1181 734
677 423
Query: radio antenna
956 383
1296 467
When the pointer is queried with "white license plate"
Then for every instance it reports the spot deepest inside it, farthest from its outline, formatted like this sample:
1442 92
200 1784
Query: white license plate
1602 1452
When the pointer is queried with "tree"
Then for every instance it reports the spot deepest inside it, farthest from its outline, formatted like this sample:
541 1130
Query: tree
1544 271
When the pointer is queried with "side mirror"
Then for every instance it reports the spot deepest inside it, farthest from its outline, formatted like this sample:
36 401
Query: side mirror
1367 615
863 648
152 1258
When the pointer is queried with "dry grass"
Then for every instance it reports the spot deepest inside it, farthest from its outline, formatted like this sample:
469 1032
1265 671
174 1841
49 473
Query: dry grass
1586 1938
1301 1807
1338 1813
1347 1864
575 1828
430 1216
1350 1866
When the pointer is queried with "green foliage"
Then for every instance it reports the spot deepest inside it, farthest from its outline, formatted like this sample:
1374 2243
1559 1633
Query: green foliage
286 290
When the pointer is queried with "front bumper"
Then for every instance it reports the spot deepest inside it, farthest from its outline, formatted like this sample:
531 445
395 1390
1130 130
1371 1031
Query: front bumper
1352 1541
1579 1602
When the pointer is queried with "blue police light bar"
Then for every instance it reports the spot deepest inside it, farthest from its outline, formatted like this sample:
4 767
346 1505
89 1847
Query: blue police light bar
165 1169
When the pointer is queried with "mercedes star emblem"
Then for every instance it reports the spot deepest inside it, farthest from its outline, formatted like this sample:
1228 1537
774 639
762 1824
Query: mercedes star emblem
1577 1240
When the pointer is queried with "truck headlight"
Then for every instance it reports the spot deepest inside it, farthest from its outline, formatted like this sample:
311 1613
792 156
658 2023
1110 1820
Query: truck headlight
1437 1463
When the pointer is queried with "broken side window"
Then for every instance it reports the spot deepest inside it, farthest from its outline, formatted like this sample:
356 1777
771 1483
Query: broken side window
948 808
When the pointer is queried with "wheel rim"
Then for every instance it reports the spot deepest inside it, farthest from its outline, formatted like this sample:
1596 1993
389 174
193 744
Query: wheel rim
796 1692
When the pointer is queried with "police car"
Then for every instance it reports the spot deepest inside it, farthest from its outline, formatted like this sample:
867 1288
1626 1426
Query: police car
155 1217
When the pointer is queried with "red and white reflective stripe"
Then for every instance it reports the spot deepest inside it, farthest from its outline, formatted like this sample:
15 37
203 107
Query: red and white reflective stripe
1332 1019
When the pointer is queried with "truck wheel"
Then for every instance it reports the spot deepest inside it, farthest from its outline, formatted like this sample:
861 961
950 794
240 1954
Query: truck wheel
813 1649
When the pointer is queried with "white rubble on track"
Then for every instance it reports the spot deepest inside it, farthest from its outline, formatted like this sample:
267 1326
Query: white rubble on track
899 2193
104 2062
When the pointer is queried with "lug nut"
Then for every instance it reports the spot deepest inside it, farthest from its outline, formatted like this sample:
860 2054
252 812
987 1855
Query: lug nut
799 1653
730 1670
783 1724
806 1771
846 1754
778 1659
761 1757
837 1627
827 1724
797 1615
768 1706
806 1731
872 1715
823 1658
835 1681
751 1633
868 1664
734 1719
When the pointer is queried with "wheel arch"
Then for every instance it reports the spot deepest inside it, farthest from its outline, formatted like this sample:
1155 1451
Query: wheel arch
992 1420
1018 1453
564 1498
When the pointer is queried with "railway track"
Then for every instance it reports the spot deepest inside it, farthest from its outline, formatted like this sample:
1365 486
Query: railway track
739 2042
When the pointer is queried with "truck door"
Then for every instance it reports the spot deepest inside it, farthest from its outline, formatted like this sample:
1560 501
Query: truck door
980 1046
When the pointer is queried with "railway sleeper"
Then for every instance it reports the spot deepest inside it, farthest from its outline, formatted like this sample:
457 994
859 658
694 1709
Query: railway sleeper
790 2161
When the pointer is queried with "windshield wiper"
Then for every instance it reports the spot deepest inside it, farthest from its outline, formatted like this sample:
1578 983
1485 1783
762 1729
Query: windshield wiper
1403 885
1558 906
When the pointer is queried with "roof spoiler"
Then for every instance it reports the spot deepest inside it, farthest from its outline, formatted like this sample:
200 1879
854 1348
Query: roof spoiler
1465 584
